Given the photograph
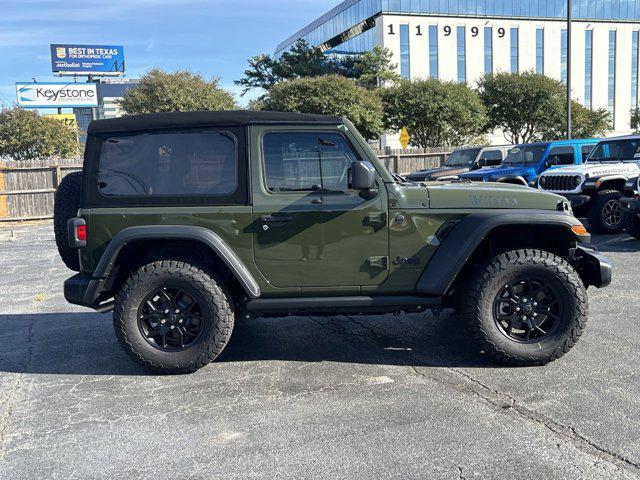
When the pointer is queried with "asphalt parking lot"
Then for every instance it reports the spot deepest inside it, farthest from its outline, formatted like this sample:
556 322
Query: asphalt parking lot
386 397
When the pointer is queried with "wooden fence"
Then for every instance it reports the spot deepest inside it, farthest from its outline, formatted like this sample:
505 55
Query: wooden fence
27 189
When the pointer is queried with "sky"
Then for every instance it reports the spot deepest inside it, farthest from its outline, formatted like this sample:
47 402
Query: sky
214 38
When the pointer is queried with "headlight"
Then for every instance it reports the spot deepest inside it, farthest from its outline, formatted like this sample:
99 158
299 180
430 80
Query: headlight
576 181
543 181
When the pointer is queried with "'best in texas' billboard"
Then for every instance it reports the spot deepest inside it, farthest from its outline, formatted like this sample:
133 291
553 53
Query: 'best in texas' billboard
87 59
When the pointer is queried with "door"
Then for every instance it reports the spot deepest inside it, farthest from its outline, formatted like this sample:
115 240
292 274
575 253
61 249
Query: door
310 228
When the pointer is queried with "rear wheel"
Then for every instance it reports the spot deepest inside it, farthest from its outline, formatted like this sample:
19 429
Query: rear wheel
631 223
66 205
526 307
173 317
604 212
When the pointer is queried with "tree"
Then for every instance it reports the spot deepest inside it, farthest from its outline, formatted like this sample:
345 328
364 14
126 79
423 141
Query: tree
179 91
329 95
26 135
372 69
302 60
524 106
435 113
635 119
585 123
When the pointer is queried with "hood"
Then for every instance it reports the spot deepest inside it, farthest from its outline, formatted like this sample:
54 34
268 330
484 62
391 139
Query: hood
438 172
501 171
589 170
489 196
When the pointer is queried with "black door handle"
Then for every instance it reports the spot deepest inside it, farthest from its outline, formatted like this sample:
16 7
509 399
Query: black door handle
275 219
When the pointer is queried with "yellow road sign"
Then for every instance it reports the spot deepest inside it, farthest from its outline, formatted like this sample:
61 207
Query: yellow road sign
404 138
69 119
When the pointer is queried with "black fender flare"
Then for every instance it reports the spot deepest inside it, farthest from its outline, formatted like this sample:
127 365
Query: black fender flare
180 232
462 241
516 180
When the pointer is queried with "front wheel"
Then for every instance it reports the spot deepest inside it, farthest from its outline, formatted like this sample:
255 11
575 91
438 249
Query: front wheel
173 317
526 307
605 213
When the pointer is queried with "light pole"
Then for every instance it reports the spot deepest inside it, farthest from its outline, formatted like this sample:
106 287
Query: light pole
569 69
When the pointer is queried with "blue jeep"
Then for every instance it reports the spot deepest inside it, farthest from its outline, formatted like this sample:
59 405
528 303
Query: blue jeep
526 162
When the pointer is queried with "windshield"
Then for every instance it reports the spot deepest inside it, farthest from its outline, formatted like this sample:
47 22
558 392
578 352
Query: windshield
528 155
461 158
616 151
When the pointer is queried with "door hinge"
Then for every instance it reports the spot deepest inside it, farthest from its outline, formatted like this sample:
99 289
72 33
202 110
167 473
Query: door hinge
377 220
378 262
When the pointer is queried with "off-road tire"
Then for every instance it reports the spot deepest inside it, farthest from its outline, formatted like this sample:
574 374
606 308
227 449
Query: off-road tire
218 314
483 287
595 212
631 223
66 205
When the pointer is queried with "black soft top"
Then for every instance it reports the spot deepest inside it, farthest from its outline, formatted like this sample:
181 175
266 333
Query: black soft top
155 121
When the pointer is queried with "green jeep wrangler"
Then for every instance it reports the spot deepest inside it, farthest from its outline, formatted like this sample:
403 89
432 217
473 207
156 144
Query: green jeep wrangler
182 223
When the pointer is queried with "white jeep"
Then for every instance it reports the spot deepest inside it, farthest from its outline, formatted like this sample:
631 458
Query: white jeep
595 188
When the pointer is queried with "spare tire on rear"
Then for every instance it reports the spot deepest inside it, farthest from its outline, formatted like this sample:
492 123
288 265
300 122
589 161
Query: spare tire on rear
67 203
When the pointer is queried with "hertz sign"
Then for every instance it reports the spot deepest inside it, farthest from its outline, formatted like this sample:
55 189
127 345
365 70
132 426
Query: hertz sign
57 95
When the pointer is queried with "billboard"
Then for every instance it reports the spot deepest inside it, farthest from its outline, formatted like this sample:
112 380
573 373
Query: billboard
56 95
69 119
87 59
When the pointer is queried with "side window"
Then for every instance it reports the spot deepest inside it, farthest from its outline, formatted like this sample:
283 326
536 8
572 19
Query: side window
491 157
169 164
561 156
586 151
307 161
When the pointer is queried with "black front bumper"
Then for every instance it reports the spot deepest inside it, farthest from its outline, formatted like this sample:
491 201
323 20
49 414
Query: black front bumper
84 291
577 200
630 204
594 268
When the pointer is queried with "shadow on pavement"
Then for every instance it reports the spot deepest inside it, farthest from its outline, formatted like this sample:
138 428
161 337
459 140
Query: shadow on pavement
85 344
616 243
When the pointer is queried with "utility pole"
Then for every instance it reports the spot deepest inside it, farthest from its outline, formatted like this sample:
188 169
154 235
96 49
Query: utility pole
569 69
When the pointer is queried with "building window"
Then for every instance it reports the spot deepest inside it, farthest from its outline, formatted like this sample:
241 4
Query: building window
405 62
540 51
488 50
588 68
634 69
462 54
433 51
612 74
563 56
515 54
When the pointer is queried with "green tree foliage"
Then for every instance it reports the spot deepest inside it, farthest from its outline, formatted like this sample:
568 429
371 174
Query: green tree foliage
328 95
371 69
435 113
585 123
179 91
26 135
635 119
525 106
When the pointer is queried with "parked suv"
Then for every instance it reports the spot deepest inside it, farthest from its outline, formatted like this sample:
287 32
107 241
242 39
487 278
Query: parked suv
460 161
185 222
595 188
526 162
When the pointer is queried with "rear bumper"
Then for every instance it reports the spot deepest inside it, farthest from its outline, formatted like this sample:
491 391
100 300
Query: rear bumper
594 268
631 205
84 291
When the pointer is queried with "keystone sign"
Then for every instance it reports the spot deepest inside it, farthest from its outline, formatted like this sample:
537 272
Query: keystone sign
57 95
87 59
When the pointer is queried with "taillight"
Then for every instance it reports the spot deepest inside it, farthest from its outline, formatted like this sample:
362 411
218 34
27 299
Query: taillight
81 233
77 229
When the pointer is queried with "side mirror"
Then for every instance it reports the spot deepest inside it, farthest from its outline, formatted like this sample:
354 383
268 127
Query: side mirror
483 163
363 176
552 161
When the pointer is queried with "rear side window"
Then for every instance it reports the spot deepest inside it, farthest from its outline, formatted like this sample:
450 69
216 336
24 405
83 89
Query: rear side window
561 156
307 161
203 163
